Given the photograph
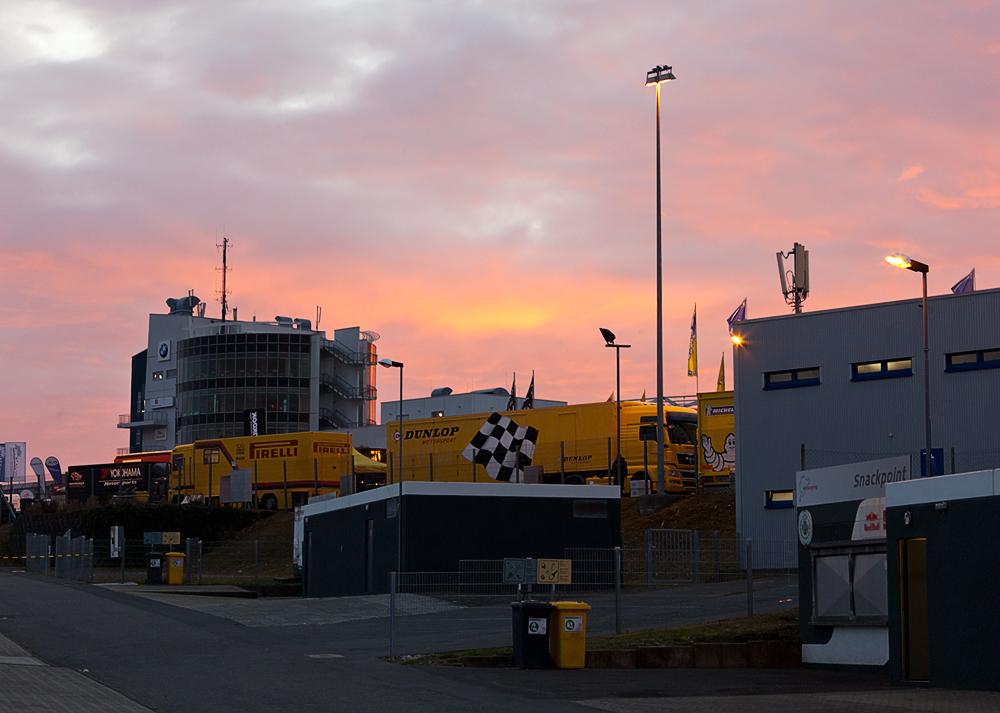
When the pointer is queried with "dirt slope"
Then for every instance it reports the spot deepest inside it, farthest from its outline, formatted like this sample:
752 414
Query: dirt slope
708 513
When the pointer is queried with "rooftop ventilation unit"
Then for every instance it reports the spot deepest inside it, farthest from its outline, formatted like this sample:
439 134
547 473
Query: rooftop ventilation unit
445 391
284 321
303 324
183 305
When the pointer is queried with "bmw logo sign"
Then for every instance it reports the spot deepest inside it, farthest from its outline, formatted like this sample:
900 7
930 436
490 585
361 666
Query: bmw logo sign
164 351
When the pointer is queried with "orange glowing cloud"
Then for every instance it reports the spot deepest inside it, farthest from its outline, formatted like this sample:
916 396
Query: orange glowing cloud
911 172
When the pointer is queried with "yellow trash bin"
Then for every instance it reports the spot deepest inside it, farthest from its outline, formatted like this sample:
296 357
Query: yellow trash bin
175 567
568 634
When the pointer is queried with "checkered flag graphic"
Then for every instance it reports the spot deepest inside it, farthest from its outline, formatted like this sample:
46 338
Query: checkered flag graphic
497 444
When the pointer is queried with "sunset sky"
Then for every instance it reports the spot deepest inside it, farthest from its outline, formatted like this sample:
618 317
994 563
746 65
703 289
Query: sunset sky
473 180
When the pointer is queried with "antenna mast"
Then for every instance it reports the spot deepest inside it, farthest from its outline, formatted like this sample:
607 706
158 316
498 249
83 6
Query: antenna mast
225 269
795 282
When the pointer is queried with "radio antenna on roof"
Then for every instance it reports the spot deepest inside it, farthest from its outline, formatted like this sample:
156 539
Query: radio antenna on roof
225 269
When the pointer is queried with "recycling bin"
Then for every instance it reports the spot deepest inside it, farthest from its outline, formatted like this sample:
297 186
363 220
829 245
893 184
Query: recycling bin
175 567
531 634
154 568
568 637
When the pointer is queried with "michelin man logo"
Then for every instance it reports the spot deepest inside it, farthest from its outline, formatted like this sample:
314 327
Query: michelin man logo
720 460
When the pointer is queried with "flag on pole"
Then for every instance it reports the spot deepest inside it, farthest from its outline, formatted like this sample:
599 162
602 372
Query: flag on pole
644 396
611 398
966 284
512 401
529 398
738 315
721 386
693 345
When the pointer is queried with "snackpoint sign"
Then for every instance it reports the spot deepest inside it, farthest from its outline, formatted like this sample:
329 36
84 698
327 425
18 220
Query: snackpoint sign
854 481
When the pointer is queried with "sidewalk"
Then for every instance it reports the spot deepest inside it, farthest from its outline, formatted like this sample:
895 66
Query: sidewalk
27 685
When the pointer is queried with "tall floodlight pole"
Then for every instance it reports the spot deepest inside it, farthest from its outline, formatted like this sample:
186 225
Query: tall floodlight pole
916 266
655 76
609 337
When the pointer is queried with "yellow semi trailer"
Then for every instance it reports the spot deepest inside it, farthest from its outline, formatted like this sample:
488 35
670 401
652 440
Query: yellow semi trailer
286 469
571 444
716 439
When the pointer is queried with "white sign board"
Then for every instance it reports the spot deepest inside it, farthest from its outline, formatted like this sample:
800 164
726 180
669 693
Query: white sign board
573 623
538 626
844 483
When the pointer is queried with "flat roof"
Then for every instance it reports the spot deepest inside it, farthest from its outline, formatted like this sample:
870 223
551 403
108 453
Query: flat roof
478 490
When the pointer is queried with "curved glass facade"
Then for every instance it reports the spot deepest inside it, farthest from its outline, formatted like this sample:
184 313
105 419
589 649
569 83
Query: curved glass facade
220 376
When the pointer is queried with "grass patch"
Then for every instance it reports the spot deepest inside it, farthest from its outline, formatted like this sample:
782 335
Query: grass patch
780 625
773 626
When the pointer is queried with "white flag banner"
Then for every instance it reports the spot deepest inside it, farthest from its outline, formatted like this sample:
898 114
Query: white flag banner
14 462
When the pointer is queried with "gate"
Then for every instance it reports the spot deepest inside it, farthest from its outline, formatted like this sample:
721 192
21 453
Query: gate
672 556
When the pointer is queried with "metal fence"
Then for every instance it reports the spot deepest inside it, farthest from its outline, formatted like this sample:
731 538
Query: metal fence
72 558
249 562
676 580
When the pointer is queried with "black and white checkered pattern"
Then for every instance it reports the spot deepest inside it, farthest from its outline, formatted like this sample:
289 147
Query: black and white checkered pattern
496 447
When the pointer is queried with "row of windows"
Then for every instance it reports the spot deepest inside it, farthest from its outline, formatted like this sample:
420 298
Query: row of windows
201 432
884 369
256 384
216 340
206 419
229 401
212 367
170 374
262 348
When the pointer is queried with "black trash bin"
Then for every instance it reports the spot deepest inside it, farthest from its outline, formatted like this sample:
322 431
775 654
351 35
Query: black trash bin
531 634
154 568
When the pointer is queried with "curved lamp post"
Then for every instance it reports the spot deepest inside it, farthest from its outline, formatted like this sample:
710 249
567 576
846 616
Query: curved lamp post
904 262
609 337
389 363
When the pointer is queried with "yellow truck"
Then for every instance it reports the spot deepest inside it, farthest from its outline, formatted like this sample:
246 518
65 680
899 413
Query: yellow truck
286 469
560 444
716 439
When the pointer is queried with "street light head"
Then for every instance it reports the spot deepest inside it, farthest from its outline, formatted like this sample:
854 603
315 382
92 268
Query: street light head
659 74
608 335
737 339
899 260
904 261
388 363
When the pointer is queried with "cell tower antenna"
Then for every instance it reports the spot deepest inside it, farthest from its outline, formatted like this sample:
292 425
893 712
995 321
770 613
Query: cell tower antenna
225 268
795 282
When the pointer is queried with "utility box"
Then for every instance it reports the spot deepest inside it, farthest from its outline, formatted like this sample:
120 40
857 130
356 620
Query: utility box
568 640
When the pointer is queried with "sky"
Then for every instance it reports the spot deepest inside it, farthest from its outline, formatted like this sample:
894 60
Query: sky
475 181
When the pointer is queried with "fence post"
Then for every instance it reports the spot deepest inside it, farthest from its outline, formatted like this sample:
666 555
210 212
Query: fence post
749 576
199 560
718 573
618 589
649 558
430 457
389 453
475 454
284 477
90 560
123 552
316 477
255 560
696 541
562 462
609 462
392 615
953 459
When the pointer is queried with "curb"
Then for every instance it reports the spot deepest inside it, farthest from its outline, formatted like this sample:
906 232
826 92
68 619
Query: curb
752 654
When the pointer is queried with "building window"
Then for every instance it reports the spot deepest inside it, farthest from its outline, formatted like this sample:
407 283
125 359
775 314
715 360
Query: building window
965 361
885 369
157 376
171 373
791 379
776 499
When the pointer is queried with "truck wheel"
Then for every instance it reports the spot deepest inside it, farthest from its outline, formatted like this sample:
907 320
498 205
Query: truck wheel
269 502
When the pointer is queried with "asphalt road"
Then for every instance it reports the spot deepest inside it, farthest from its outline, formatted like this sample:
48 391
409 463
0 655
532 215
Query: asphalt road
178 659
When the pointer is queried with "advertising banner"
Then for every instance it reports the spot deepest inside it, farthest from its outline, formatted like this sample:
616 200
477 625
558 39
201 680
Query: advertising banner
14 464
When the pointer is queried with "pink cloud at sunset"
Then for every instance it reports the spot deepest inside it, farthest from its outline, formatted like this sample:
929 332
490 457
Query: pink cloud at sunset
474 181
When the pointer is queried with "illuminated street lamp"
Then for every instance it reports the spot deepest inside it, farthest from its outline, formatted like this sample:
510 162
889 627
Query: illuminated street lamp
389 363
906 263
656 76
609 337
